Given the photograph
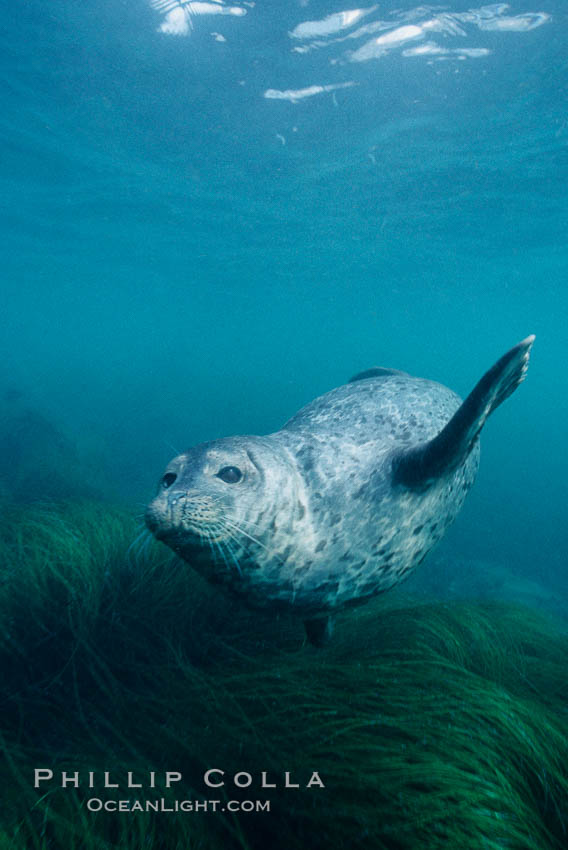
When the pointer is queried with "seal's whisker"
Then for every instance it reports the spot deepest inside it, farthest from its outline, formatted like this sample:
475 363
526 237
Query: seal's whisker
140 545
242 531
172 447
208 535
254 539
139 537
232 554
220 547
137 540
250 522
216 544
148 544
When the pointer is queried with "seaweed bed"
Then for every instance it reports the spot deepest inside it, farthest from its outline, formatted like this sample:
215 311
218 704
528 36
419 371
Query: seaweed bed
432 725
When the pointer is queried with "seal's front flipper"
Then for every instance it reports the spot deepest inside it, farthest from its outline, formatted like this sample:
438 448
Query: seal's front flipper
319 630
378 372
423 464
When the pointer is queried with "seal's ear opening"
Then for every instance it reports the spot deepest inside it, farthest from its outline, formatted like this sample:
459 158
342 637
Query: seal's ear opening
420 466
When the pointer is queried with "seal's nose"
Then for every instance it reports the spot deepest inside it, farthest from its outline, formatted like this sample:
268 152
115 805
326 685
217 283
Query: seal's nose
176 496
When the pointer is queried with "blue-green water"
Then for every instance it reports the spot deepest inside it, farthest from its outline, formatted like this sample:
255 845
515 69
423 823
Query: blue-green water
196 241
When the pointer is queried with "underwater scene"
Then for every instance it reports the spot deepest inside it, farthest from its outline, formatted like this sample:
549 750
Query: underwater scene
283 404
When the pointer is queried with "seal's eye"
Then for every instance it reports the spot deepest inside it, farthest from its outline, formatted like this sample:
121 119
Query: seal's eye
168 480
230 474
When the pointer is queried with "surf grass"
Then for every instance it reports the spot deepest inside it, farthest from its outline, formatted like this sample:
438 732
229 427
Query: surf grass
431 725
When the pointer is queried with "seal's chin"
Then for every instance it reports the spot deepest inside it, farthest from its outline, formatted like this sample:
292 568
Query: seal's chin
188 537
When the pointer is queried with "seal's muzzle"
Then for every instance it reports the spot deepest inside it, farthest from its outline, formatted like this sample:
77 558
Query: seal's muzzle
182 512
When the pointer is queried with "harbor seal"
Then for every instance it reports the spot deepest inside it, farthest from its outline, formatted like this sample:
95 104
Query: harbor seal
340 504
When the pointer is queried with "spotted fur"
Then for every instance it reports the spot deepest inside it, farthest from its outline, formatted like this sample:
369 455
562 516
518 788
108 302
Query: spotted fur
339 505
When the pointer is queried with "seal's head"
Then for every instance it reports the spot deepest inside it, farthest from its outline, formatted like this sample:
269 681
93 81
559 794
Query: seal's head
213 505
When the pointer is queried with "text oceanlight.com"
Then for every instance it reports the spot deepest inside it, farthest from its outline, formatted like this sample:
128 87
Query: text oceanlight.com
95 804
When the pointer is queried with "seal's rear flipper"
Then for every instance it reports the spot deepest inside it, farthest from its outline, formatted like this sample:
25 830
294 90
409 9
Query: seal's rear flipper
423 464
319 630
